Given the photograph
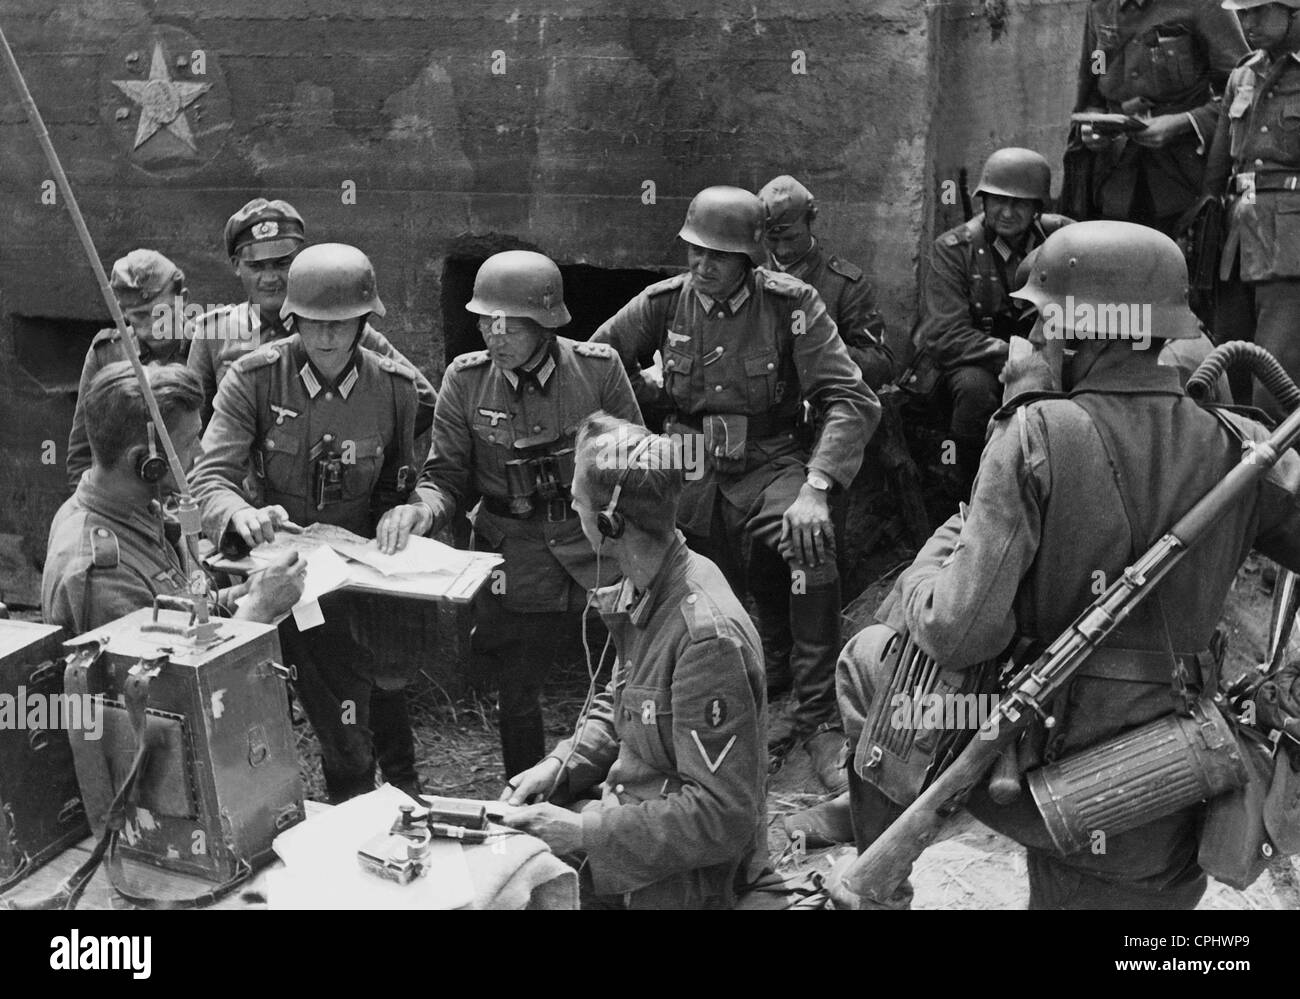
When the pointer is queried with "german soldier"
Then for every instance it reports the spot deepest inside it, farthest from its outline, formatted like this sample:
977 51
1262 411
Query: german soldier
967 313
849 298
1255 162
1163 60
329 428
665 772
504 431
151 291
742 347
1071 488
262 239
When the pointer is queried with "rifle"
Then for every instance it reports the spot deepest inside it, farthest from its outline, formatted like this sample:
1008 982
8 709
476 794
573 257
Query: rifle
884 865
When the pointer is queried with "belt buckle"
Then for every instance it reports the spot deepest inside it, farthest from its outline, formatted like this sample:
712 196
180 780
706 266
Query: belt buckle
1246 186
554 507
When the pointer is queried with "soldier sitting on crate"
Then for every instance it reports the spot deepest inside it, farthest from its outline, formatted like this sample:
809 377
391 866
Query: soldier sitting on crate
109 552
673 750
1072 487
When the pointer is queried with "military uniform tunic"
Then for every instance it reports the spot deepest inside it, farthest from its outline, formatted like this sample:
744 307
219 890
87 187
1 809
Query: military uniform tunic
105 559
1255 161
675 744
1172 56
104 350
851 303
1070 488
225 335
275 407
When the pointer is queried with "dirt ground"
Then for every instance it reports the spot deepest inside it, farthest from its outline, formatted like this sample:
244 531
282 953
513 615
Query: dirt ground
972 867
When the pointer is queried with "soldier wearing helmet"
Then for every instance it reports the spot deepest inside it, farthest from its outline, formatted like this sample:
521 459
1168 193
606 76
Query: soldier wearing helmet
790 211
1073 484
328 427
261 240
967 313
742 346
503 438
1163 61
150 290
1255 165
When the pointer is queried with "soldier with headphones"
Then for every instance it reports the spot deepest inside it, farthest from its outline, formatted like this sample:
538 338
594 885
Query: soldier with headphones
665 774
110 552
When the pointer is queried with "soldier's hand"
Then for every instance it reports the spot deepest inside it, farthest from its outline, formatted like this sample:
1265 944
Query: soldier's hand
1093 139
557 827
806 527
536 780
258 526
1162 130
274 590
399 523
654 375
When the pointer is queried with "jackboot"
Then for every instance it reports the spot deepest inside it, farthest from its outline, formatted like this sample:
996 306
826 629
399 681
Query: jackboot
815 630
769 585
522 741
390 725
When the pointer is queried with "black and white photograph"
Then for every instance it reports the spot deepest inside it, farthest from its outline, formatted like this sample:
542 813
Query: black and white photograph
831 455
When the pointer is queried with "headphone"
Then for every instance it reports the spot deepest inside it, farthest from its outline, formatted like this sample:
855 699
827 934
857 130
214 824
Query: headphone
151 467
609 521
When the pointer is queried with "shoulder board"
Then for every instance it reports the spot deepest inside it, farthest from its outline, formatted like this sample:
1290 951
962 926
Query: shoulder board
587 349
1024 399
105 336
697 611
105 553
958 235
665 286
780 283
397 369
261 358
474 359
1051 222
845 269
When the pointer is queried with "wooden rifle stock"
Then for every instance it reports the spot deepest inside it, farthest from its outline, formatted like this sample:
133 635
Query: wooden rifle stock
882 867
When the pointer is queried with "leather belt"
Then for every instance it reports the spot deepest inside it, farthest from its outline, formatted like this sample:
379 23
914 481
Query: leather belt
552 511
1277 180
1143 666
758 427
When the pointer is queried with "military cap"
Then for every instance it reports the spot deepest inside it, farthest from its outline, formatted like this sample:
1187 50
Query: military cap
786 201
267 228
143 275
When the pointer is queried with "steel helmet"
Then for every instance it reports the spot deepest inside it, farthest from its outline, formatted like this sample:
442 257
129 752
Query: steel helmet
331 281
1016 173
522 284
1101 269
1248 4
727 219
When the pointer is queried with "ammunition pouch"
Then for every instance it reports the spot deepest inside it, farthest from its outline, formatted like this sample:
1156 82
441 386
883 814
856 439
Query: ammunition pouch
912 733
1138 776
726 435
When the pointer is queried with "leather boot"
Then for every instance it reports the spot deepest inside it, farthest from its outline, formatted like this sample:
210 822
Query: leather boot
769 585
390 724
522 741
826 824
815 629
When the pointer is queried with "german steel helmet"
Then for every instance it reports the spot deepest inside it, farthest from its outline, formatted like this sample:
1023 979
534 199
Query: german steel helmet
727 219
1248 4
1104 268
1016 173
331 281
521 284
